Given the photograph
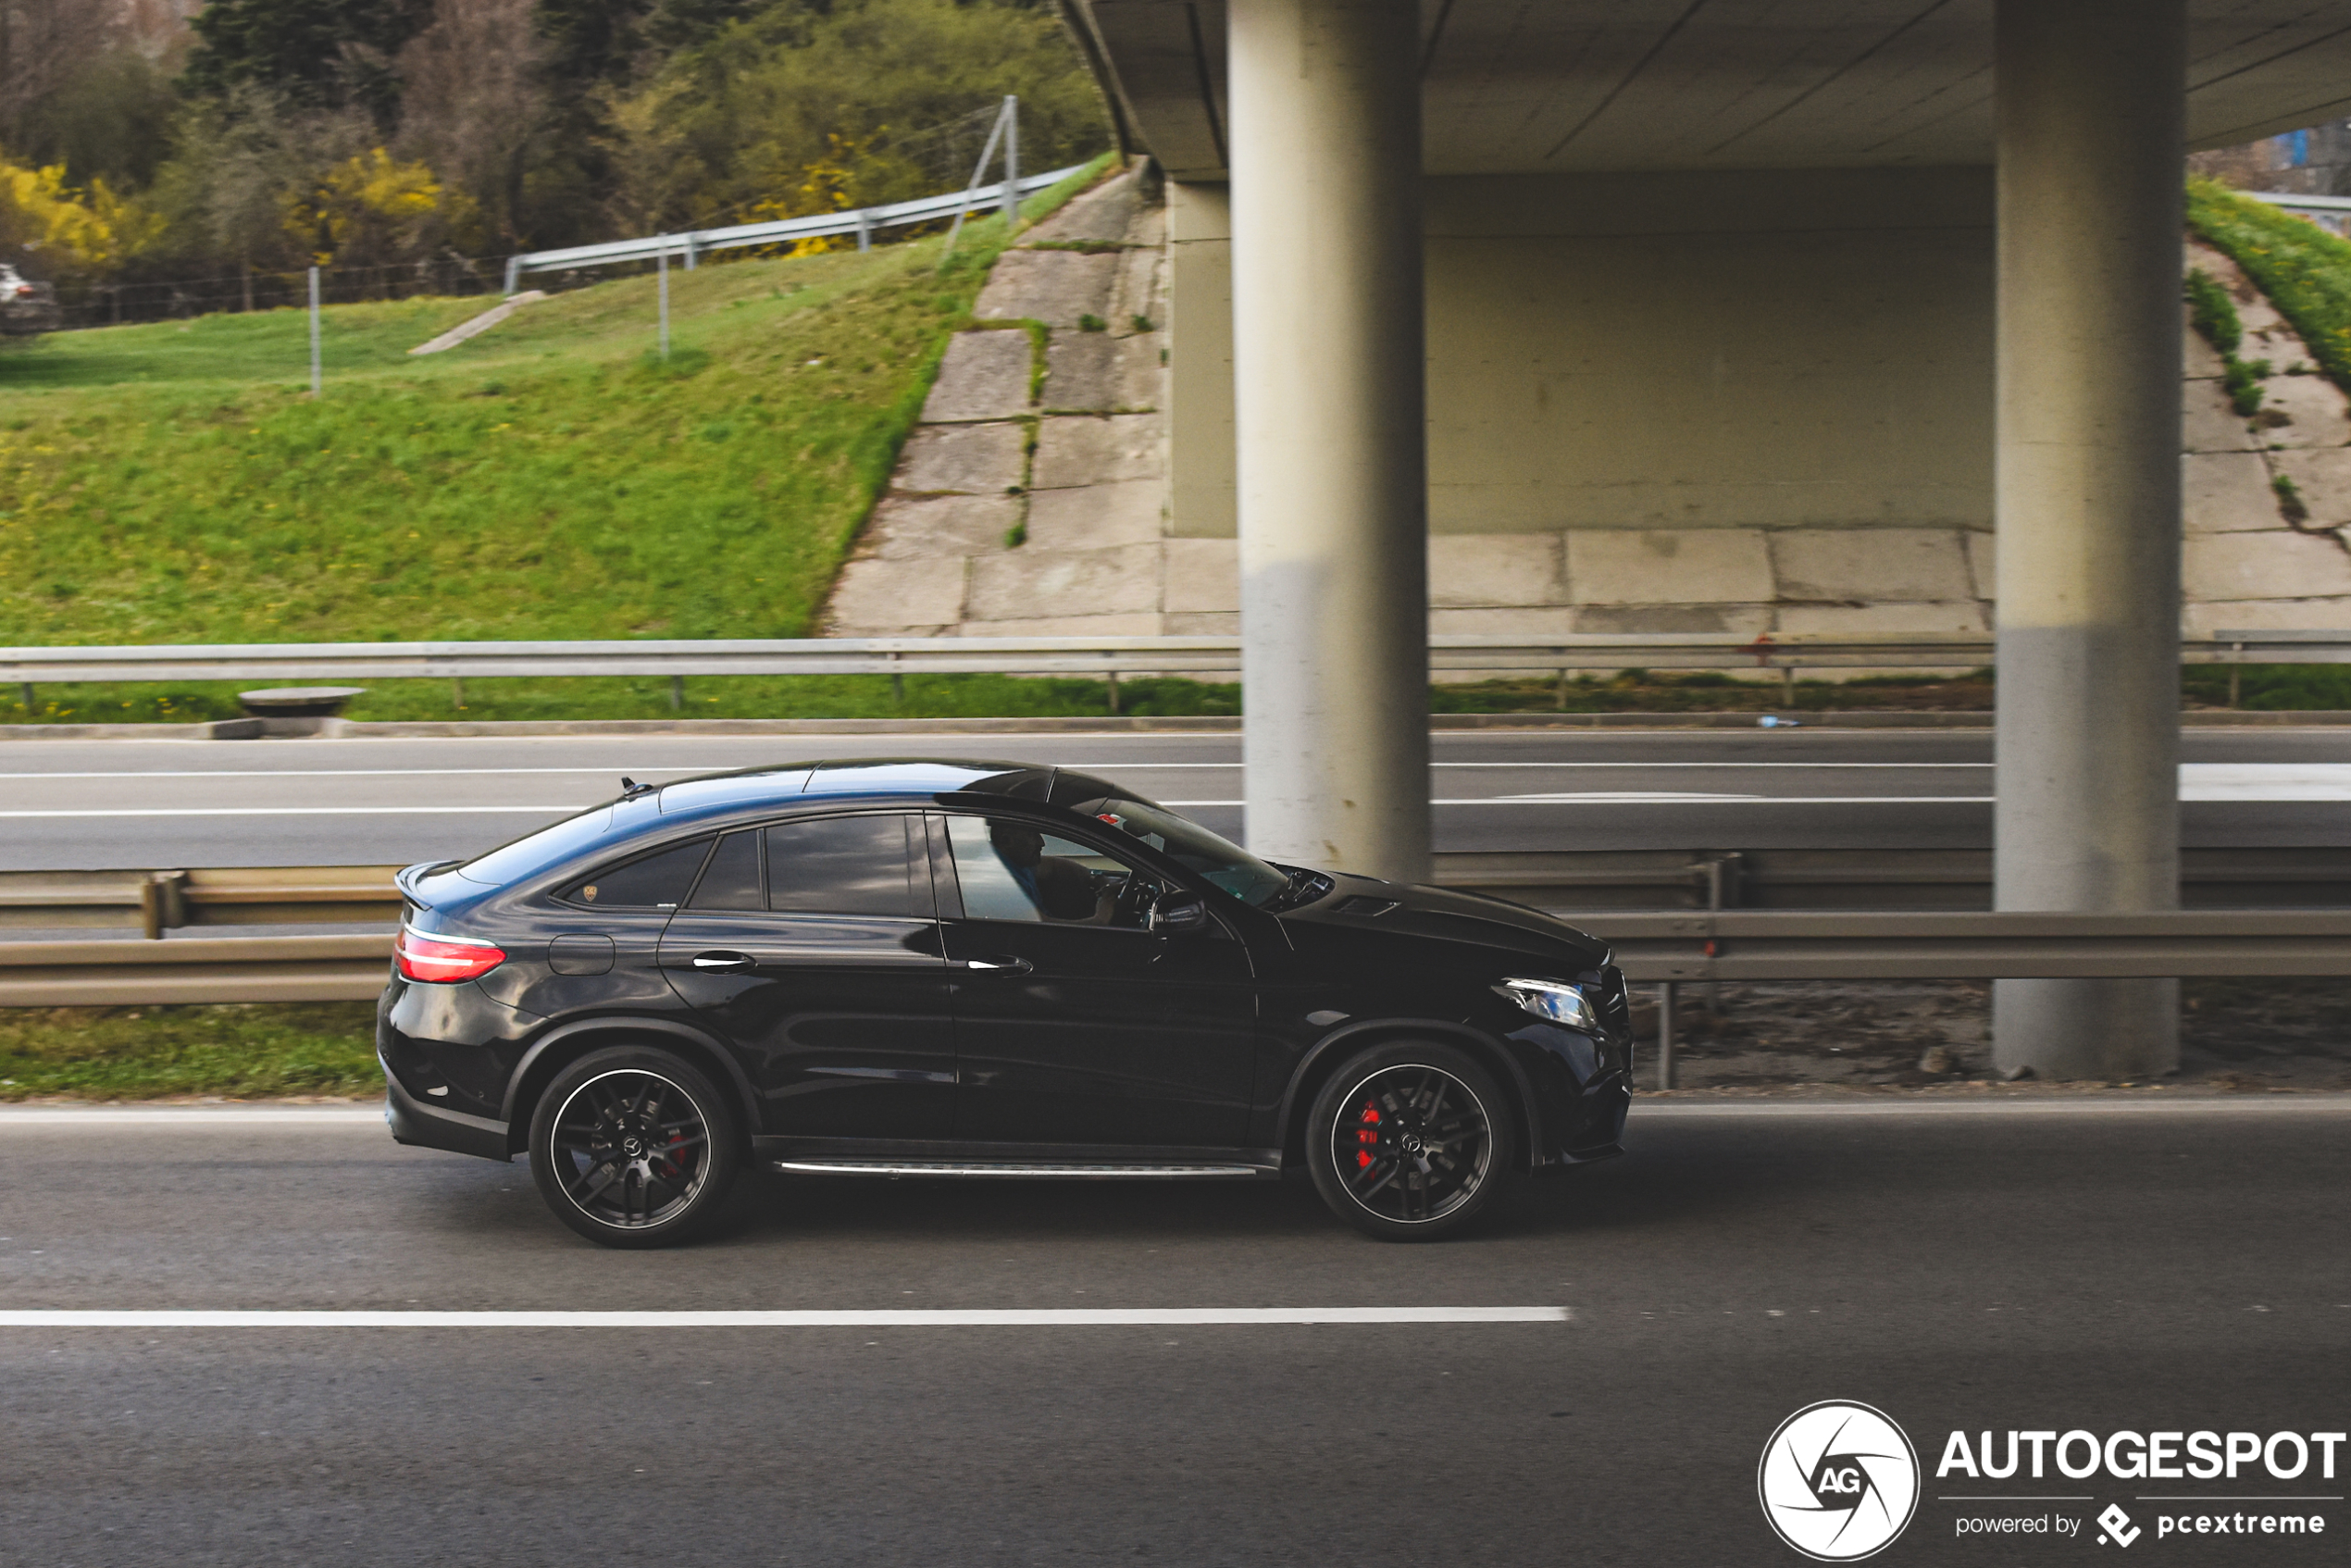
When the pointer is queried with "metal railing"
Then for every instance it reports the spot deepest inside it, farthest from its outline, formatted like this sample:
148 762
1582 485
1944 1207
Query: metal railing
2329 213
1058 656
863 222
1665 949
1593 885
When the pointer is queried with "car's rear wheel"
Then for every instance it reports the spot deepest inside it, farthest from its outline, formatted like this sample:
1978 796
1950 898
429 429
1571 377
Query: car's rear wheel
633 1146
1409 1141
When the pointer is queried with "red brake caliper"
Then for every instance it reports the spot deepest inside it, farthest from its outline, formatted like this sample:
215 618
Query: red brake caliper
1366 1136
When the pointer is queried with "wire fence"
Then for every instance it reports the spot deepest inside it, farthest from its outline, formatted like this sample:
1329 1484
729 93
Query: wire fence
111 305
941 157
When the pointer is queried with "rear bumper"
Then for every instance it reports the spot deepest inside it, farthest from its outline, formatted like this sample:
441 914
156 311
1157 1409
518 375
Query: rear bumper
429 1126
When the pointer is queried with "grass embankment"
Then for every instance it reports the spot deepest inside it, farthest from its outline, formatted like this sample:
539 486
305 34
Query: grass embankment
149 1052
2304 271
553 477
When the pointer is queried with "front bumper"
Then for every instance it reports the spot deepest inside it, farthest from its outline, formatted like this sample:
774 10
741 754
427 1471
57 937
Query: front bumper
431 1126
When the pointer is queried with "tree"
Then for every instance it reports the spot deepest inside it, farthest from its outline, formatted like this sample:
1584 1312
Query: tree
473 104
315 53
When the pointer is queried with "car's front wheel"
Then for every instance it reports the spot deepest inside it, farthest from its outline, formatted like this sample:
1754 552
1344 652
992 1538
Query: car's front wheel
633 1146
1409 1141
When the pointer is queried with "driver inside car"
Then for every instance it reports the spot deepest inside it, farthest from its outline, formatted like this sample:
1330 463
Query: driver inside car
1059 889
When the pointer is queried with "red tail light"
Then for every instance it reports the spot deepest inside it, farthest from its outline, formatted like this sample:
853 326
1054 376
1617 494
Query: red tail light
445 959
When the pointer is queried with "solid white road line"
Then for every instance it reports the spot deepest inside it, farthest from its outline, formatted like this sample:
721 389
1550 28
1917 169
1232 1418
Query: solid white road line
370 1117
179 1116
2091 1104
306 811
912 1317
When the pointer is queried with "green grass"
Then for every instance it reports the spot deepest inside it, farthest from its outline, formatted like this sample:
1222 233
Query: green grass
2304 271
550 479
147 1052
2281 687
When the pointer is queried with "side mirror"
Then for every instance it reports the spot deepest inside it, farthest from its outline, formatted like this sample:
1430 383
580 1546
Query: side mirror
1174 914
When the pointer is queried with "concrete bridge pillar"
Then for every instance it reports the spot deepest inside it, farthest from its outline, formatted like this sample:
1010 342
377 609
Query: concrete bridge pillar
1327 365
2087 488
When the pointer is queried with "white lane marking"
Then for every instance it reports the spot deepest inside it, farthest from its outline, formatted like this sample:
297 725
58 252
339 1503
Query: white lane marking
1668 797
2264 781
370 1115
909 1317
305 810
371 1118
1622 795
343 771
1645 1109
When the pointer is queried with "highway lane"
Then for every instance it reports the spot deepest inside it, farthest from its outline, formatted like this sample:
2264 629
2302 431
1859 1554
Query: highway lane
2056 1265
93 805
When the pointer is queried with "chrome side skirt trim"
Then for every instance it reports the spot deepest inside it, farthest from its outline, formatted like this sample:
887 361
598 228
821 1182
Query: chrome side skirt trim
950 1168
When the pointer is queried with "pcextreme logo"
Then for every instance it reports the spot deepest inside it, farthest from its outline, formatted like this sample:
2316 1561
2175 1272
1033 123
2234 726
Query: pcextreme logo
1839 1481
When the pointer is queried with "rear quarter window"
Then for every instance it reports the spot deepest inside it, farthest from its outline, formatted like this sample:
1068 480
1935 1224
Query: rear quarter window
659 880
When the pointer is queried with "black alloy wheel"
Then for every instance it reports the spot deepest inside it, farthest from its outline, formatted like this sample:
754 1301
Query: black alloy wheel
632 1147
1408 1142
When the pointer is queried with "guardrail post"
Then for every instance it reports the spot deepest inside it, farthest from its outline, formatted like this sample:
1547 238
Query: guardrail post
317 374
677 694
514 273
1665 1034
663 262
1012 165
24 689
865 229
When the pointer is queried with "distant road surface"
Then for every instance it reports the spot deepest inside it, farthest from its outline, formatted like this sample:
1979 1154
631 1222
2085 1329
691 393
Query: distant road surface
162 803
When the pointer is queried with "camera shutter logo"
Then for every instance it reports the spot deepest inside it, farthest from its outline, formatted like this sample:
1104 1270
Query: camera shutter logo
1839 1481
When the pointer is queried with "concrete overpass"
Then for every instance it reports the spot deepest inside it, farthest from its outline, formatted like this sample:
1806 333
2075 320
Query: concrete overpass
1454 265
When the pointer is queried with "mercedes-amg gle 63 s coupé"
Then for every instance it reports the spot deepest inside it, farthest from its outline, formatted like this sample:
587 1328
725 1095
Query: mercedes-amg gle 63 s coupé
979 969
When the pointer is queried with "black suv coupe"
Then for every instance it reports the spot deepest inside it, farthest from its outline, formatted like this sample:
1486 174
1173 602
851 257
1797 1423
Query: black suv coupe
919 967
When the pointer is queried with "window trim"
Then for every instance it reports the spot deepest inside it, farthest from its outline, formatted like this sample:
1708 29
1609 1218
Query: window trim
766 911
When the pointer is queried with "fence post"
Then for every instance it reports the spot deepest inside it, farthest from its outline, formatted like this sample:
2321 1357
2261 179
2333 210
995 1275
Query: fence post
663 264
1665 1035
1012 165
317 381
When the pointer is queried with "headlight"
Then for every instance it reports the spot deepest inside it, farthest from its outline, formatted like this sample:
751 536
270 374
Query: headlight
1554 1001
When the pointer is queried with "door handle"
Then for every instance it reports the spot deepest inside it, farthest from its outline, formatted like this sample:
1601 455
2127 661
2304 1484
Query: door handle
1002 965
722 961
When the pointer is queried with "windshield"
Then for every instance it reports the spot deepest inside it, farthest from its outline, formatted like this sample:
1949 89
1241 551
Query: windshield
1227 865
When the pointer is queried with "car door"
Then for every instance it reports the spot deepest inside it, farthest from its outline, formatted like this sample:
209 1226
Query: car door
814 946
1076 1025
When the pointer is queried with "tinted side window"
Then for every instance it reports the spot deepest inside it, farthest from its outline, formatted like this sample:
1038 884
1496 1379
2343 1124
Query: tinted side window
843 866
732 880
1009 870
657 881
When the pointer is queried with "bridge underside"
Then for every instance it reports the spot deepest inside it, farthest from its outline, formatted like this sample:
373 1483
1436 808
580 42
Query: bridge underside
1479 266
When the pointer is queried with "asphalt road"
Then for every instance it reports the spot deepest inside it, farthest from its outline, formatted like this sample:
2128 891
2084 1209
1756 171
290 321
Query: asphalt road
2057 1266
159 804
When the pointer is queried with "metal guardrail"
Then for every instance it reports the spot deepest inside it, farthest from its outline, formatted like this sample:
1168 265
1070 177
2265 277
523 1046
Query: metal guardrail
1593 885
1653 948
862 223
161 900
1055 655
1777 944
213 969
2330 213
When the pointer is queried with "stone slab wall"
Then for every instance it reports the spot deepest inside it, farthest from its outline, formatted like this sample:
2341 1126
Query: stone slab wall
1035 498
